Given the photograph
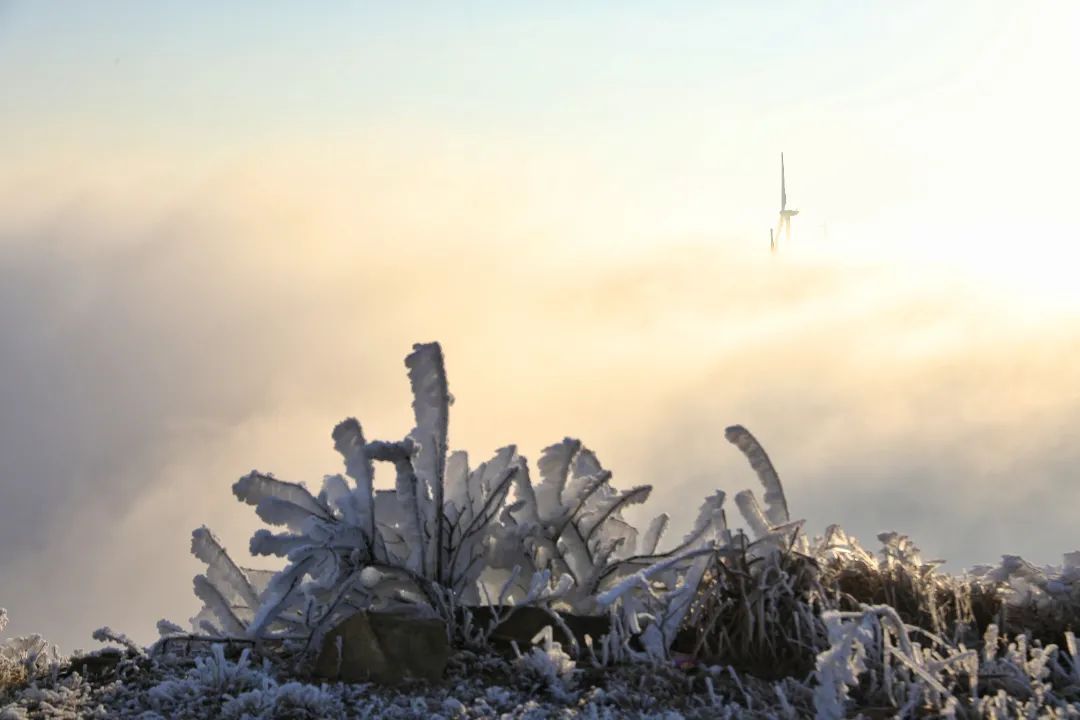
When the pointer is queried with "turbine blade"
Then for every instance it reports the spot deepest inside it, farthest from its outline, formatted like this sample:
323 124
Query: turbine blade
783 185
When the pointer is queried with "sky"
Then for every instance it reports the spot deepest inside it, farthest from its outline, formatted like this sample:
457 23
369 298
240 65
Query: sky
222 229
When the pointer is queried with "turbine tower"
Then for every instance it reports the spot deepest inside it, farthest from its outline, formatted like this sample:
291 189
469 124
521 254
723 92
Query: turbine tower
784 224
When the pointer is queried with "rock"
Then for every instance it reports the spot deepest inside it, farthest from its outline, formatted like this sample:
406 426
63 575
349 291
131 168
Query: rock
384 647
520 625
100 664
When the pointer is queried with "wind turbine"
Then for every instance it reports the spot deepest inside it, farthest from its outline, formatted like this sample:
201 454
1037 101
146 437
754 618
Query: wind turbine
784 224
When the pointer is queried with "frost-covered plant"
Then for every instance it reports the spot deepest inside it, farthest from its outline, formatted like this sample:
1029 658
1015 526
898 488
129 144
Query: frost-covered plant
692 602
231 595
424 543
651 605
776 513
571 524
238 690
900 578
290 699
759 611
1027 598
876 660
760 598
25 659
108 635
547 661
841 664
874 651
744 613
447 536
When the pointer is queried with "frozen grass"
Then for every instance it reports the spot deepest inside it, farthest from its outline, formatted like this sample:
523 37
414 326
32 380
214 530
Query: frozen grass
25 659
479 685
758 612
777 632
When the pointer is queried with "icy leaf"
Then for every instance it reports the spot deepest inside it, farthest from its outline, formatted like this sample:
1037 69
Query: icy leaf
776 509
431 407
654 534
254 487
278 594
554 467
222 572
349 441
264 542
751 512
218 605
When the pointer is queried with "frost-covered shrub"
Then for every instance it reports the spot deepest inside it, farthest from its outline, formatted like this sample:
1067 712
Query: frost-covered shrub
448 536
684 590
899 577
213 674
238 690
571 524
760 598
874 659
1027 598
291 699
422 544
231 595
759 611
550 664
25 659
1017 596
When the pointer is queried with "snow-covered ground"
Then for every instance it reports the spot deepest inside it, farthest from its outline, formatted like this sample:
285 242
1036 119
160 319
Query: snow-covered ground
477 686
874 667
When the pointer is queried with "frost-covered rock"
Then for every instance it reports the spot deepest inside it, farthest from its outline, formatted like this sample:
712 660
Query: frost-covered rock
388 648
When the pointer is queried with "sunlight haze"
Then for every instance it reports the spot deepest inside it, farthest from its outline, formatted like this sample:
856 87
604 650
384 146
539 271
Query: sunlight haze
222 229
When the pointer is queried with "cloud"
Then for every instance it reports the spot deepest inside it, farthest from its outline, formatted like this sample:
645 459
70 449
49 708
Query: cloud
944 425
115 361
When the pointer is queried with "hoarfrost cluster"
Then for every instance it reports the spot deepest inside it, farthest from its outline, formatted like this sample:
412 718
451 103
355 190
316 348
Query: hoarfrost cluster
450 536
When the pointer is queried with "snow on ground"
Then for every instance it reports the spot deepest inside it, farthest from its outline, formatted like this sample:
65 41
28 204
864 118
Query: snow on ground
478 686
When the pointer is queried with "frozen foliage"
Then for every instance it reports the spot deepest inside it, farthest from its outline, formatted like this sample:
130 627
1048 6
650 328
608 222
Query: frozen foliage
550 664
424 543
775 501
449 536
1041 600
542 684
874 664
874 655
25 659
108 635
571 525
218 687
231 595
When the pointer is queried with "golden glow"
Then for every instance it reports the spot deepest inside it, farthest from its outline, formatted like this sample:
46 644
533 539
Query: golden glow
237 254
